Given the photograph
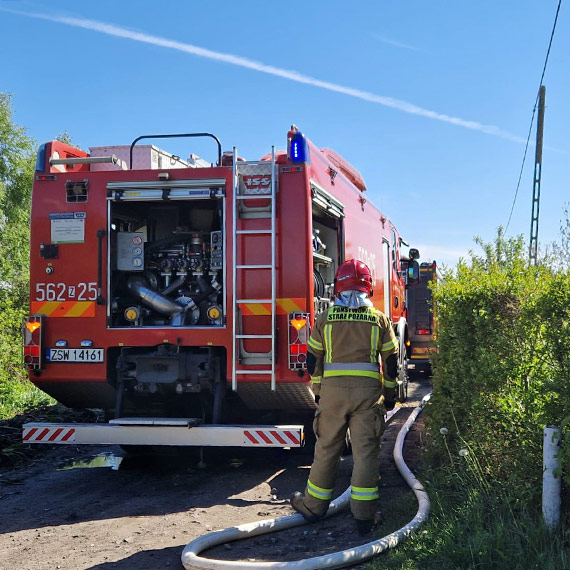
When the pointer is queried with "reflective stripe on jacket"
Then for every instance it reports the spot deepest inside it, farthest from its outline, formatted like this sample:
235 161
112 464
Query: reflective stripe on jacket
367 369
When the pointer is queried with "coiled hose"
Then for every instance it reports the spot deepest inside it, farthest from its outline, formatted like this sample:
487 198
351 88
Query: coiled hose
191 558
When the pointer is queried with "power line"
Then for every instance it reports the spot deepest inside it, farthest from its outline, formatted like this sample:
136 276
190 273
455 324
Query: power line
533 113
522 165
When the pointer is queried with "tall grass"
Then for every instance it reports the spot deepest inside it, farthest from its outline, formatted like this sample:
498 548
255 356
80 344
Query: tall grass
17 397
475 525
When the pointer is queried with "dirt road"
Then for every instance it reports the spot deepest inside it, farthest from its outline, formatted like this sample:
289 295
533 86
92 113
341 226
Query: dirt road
139 512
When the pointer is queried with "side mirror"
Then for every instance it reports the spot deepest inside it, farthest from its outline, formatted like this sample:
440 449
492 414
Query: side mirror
414 253
413 275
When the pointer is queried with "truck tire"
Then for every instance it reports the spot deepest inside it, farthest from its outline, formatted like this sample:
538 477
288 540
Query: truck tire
403 381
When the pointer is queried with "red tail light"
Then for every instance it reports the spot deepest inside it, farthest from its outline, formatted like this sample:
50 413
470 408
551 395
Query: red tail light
423 331
33 336
298 337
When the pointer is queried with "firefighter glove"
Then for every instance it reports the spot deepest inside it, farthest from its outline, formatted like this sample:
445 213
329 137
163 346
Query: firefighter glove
311 363
389 405
392 366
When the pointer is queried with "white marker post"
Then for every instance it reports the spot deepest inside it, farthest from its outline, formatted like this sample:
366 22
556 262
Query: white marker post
551 481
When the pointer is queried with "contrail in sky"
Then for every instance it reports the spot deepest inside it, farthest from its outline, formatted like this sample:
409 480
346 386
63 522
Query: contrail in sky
117 31
393 43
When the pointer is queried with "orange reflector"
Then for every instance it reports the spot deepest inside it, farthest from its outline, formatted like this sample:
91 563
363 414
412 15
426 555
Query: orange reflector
298 323
32 325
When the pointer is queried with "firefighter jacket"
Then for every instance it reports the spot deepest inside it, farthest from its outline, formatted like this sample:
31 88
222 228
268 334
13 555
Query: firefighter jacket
348 342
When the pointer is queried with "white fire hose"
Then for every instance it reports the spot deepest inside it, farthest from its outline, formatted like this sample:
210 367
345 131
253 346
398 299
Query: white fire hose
192 560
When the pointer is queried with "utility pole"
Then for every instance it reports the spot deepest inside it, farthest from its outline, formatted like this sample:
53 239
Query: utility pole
533 245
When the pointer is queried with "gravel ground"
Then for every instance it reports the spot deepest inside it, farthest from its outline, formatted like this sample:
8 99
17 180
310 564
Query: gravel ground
61 511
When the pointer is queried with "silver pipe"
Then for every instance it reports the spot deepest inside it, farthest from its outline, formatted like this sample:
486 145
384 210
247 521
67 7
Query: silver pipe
174 285
155 300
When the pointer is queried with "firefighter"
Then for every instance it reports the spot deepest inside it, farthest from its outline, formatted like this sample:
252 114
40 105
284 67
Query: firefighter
342 359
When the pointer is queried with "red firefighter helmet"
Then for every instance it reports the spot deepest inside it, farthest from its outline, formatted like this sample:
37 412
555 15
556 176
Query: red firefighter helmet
353 275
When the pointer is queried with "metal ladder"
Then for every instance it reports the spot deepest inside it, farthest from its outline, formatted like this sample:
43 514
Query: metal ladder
254 171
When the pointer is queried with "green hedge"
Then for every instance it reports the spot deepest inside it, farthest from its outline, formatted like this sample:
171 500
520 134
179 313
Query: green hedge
502 372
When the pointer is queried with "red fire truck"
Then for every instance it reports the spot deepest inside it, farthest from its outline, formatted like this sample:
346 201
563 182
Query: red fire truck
178 295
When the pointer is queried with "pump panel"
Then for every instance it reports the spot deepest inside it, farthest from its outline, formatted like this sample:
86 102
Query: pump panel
166 261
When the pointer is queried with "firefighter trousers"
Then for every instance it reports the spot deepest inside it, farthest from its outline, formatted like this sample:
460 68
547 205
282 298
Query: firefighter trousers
347 403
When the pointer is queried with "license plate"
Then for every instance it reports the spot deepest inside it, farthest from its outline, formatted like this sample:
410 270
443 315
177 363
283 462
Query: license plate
75 354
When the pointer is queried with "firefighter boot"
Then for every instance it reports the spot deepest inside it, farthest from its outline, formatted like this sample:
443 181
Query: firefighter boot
297 502
364 527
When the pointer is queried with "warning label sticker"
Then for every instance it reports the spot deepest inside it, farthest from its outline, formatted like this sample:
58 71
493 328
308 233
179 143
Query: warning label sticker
68 227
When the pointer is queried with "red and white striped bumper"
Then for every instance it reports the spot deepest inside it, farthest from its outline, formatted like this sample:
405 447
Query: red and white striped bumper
164 431
272 438
49 434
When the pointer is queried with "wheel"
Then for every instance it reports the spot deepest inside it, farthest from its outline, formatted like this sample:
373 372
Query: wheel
402 392
402 389
403 381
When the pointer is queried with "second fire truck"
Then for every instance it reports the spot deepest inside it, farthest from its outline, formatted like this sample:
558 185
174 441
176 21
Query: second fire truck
422 320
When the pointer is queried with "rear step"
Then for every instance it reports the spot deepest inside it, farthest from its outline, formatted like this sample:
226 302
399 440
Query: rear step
164 431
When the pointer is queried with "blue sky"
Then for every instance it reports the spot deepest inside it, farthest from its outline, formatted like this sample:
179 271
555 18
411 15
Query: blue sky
431 102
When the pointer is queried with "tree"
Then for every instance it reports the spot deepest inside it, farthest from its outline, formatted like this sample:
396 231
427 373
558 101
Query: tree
558 252
16 165
16 172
